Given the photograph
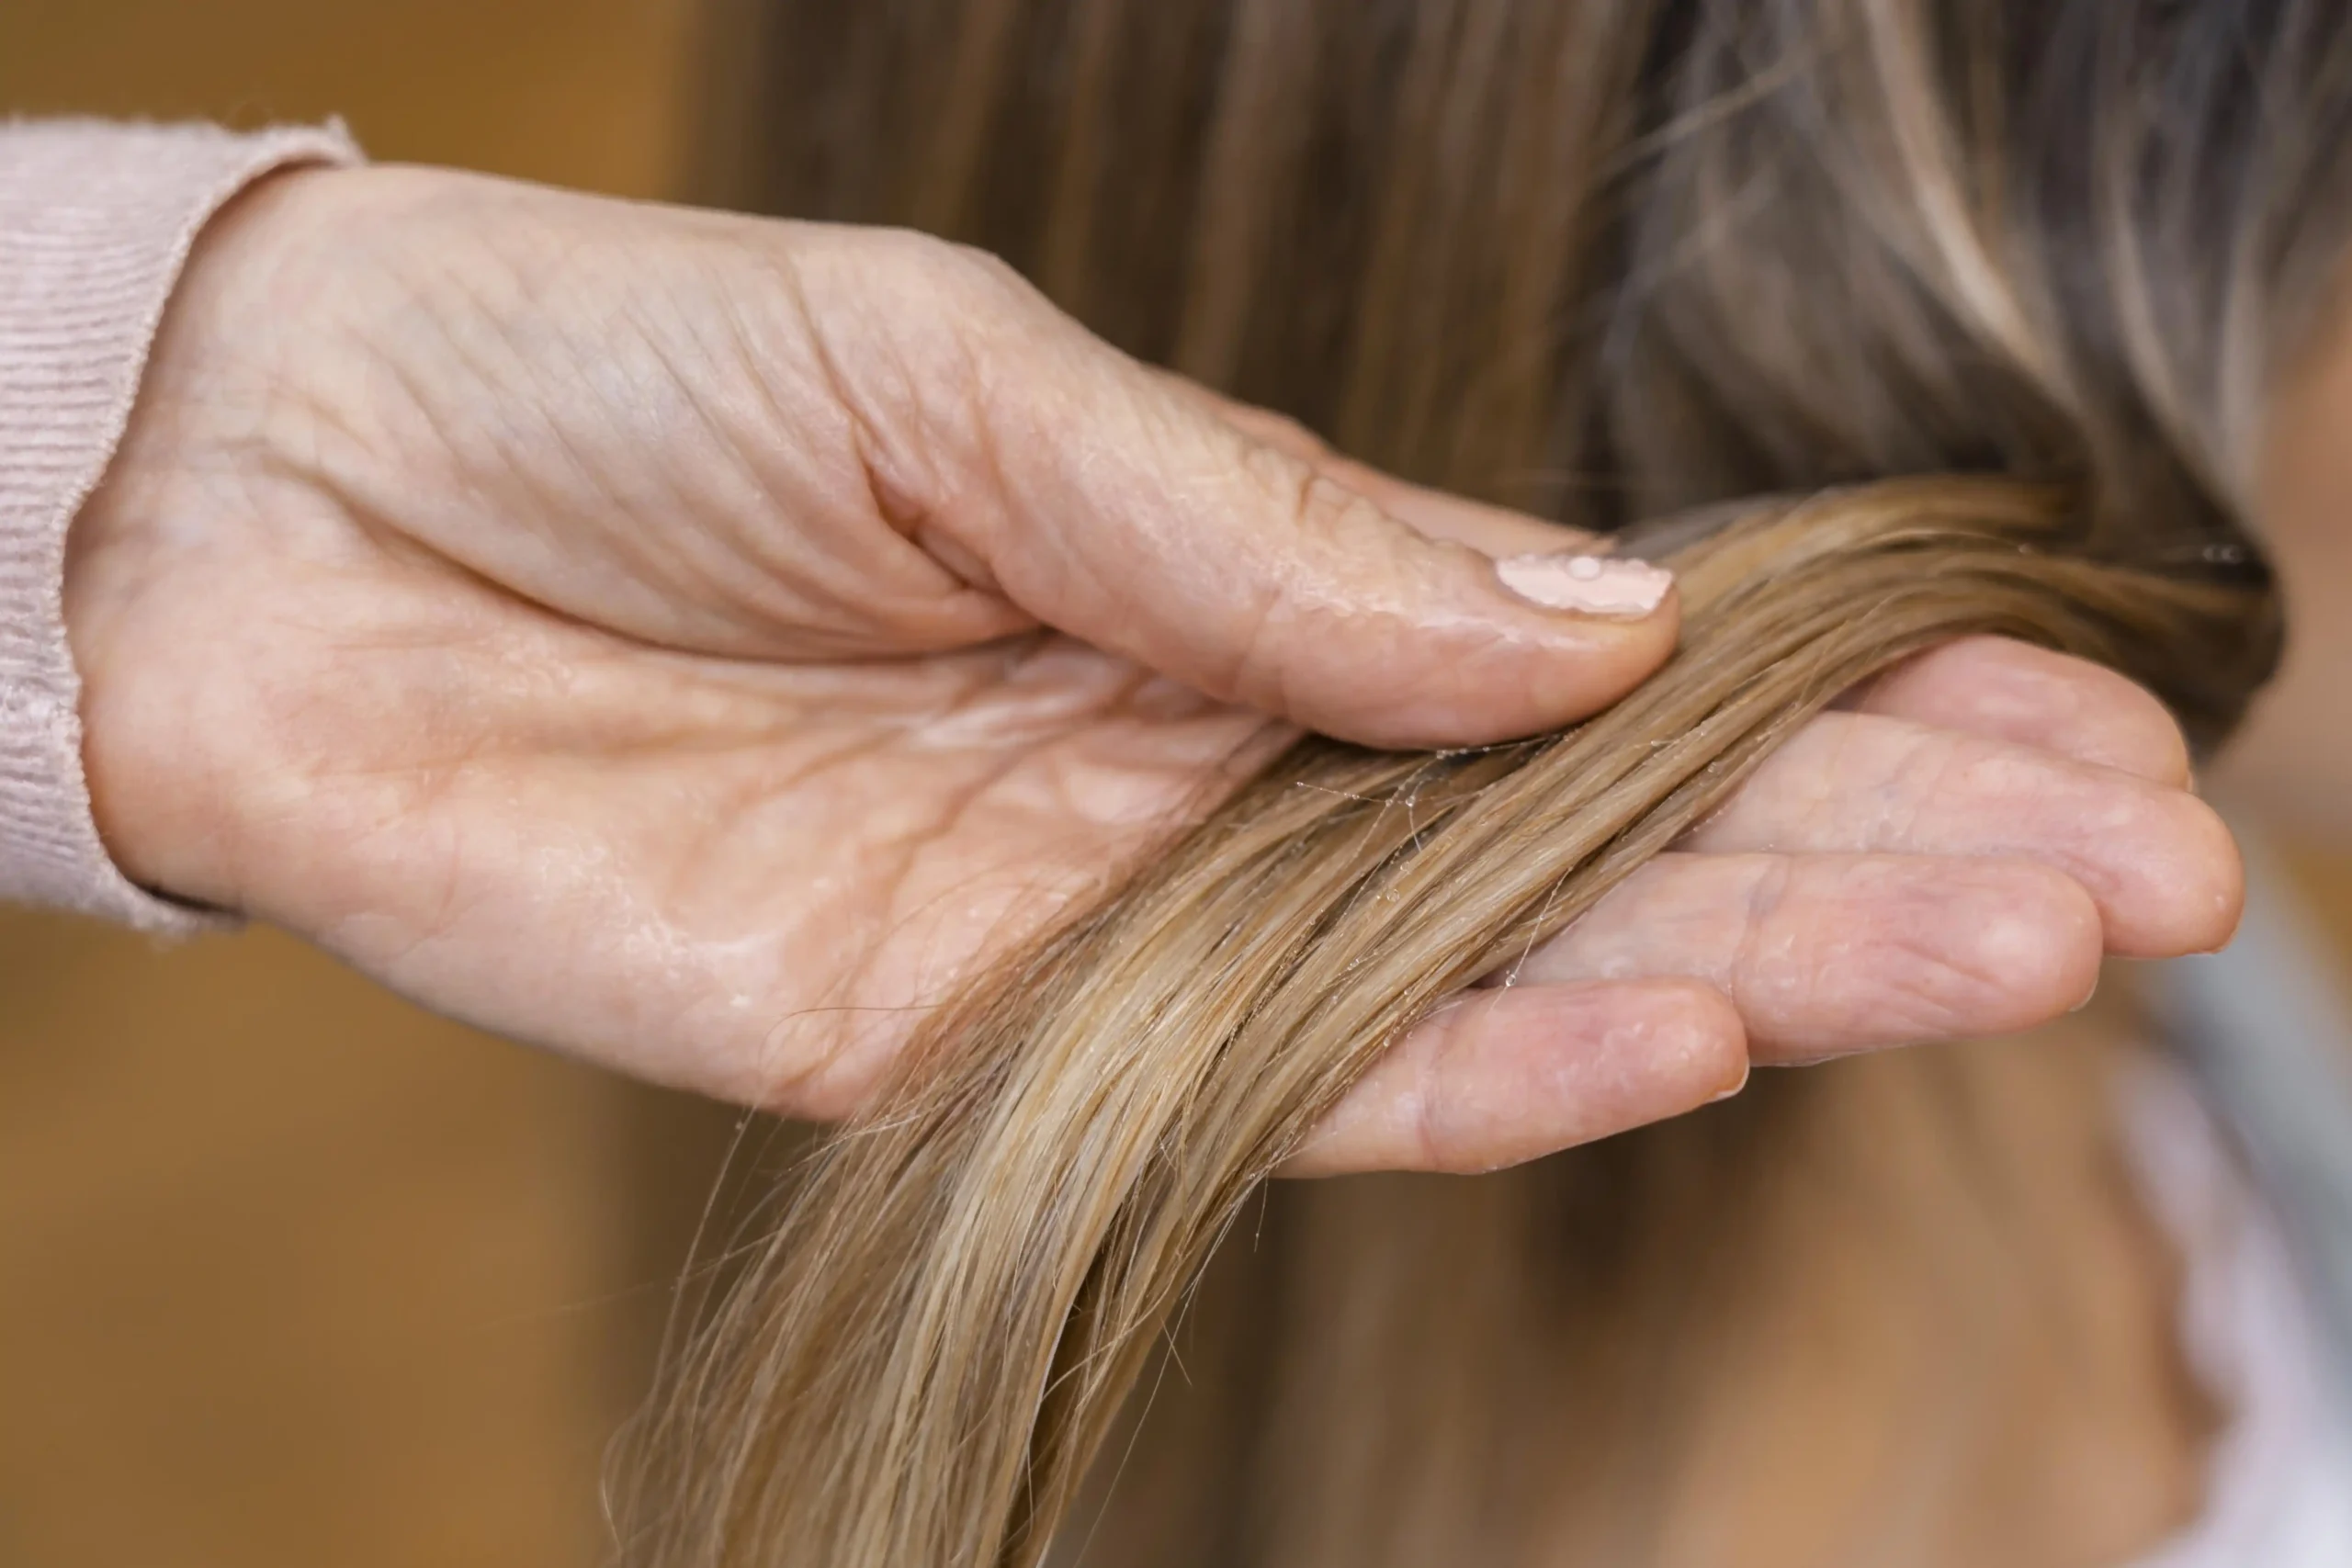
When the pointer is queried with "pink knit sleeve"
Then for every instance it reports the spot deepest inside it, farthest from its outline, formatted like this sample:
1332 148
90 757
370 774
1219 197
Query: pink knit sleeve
96 222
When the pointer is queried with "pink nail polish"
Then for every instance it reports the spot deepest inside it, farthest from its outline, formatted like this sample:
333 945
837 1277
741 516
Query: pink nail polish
1589 585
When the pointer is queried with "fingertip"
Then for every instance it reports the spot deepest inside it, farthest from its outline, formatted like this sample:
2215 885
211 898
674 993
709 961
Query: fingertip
1371 631
2187 893
1599 627
1596 641
2162 866
1504 1075
1474 661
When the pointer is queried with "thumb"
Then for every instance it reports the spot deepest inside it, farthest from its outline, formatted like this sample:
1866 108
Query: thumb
1116 504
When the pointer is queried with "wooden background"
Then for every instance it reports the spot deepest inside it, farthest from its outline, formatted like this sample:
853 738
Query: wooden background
291 1274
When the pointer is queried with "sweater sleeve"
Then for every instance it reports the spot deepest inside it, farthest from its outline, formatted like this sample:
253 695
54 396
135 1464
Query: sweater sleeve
95 223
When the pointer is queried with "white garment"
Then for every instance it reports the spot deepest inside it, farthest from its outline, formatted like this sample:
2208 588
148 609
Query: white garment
2279 1488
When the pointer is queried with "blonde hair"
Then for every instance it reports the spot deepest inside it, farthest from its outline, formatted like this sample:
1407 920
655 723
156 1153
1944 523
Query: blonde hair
1619 258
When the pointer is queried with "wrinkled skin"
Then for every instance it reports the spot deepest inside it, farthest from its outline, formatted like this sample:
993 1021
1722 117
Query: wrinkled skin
694 642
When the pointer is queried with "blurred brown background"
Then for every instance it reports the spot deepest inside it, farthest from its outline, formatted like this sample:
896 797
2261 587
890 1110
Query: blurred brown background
289 1272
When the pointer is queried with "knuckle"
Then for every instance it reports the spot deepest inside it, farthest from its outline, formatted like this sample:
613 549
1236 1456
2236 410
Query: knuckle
1351 539
1762 938
966 279
1318 506
916 287
1282 432
1334 536
2022 946
1940 769
1433 1138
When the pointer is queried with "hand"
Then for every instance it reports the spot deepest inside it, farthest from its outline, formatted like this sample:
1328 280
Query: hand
695 642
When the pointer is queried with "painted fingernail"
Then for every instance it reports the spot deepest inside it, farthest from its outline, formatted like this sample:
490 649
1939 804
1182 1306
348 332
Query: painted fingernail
1589 585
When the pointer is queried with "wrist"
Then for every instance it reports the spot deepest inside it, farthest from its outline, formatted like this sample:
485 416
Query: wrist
199 451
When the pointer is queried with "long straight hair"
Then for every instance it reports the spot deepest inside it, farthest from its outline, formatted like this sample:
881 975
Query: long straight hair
1885 322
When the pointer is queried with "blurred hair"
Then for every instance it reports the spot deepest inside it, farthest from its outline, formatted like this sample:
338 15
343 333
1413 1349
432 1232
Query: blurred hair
1885 322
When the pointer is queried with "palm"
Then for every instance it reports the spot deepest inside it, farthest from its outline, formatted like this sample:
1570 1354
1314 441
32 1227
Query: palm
738 875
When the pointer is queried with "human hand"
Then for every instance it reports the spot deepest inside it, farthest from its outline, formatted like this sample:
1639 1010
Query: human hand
697 642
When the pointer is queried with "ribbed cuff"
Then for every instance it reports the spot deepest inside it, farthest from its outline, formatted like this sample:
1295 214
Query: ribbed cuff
95 223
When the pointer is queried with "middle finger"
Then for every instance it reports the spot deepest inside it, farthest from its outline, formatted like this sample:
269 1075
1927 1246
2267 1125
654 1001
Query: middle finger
2157 863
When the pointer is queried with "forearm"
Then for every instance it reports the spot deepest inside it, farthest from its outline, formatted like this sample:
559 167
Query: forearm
95 223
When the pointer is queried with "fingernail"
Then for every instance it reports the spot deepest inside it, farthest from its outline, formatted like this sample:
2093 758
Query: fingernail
1589 585
1734 1089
